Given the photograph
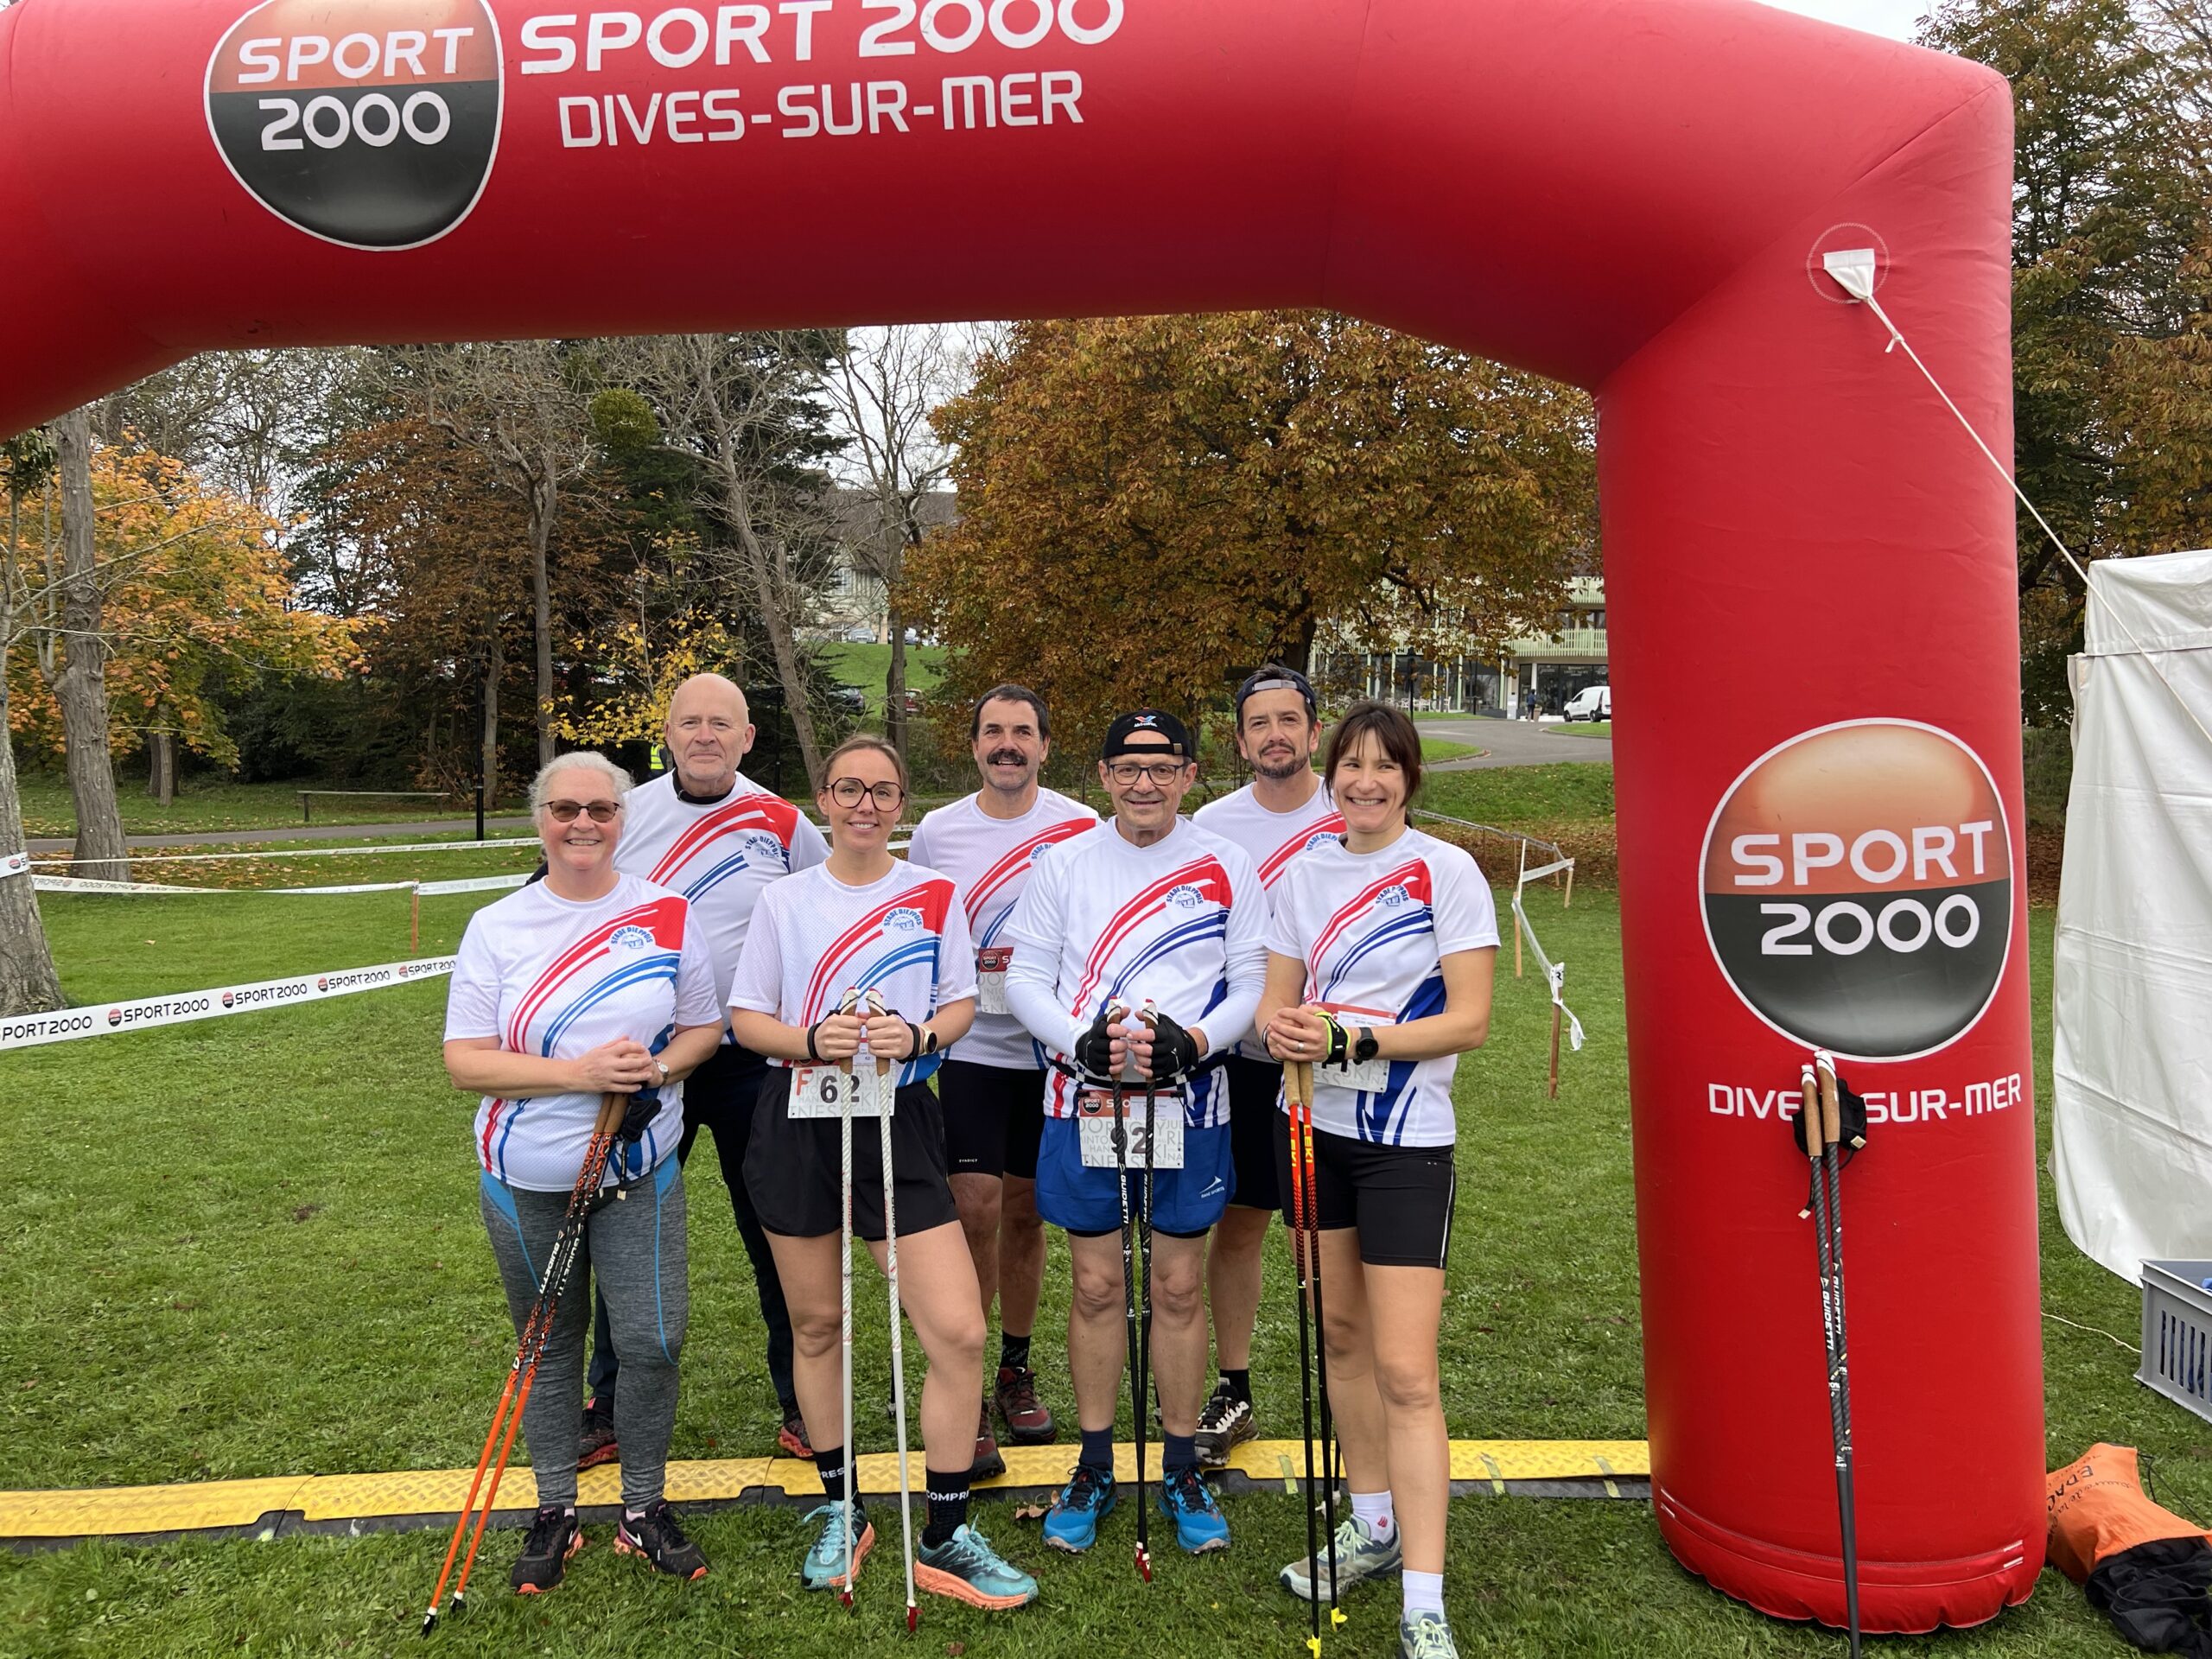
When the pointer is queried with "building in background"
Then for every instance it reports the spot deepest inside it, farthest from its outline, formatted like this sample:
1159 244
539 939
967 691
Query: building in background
1554 666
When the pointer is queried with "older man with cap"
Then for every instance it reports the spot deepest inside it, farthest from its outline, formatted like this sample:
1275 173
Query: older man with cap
1151 910
708 832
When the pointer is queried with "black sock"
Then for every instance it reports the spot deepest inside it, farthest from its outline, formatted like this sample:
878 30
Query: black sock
1097 1450
1014 1353
829 1463
1239 1384
1179 1451
948 1507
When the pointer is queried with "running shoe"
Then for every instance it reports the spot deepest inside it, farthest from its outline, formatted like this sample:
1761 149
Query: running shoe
824 1566
1359 1558
1185 1499
554 1536
1087 1499
987 1461
967 1568
1028 1422
1226 1421
656 1537
595 1443
791 1437
1426 1636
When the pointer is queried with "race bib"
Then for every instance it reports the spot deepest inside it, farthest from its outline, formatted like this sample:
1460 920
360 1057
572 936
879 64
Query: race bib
822 1090
1368 1077
991 978
1095 1130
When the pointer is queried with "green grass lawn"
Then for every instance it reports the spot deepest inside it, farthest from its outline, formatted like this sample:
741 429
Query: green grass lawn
1433 749
212 803
250 1247
1586 729
865 666
1566 793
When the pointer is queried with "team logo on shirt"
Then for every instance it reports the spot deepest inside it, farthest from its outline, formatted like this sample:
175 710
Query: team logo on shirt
905 919
1319 838
1186 897
1857 888
631 938
1391 898
758 844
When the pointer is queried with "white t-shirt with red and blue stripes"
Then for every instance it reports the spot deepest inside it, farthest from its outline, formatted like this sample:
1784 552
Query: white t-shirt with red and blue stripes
814 937
721 856
556 978
1373 930
990 860
1181 924
1271 840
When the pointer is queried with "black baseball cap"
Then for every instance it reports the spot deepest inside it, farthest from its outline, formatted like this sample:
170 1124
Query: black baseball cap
1145 720
1274 677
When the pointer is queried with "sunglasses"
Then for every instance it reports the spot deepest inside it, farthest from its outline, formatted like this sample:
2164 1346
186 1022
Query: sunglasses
849 791
565 812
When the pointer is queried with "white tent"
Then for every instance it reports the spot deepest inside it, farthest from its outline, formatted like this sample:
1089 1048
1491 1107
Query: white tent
2131 1124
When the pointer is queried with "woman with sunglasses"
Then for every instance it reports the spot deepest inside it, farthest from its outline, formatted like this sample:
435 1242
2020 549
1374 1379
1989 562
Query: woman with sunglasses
586 983
864 923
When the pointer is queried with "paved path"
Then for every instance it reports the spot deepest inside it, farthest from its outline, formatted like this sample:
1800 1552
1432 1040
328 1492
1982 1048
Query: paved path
415 831
1513 743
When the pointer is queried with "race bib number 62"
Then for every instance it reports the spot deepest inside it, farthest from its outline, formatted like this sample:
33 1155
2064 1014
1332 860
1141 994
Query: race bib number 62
823 1092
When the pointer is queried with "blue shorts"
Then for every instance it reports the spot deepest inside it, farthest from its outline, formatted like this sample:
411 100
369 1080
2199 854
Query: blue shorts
1186 1202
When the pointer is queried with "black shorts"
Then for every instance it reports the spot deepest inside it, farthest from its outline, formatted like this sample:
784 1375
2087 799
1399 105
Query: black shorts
994 1118
1399 1197
793 1172
1255 1098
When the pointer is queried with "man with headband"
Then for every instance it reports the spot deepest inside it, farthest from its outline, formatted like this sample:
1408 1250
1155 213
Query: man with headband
1151 912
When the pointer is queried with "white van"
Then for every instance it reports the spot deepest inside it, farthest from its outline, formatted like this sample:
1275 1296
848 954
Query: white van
1591 702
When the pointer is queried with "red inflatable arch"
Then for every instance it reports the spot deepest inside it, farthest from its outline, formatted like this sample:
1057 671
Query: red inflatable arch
1810 570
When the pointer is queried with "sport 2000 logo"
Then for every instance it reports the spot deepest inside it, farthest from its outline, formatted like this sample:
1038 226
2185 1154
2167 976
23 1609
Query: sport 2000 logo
1857 888
371 123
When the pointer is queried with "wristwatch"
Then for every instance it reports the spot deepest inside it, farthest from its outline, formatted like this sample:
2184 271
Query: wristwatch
663 1067
1366 1048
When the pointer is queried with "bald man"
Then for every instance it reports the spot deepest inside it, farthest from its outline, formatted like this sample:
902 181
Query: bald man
704 830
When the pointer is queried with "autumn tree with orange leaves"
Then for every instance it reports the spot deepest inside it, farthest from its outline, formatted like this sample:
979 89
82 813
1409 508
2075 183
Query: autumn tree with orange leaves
1147 504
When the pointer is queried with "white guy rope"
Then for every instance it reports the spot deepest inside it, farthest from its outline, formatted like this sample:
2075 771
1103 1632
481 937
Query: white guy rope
157 856
1554 973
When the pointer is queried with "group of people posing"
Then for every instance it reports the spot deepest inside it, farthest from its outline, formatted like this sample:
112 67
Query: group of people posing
695 941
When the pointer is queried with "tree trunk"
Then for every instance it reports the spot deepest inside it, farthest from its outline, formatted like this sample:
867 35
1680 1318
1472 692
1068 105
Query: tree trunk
544 501
80 686
27 982
782 644
894 683
489 766
161 755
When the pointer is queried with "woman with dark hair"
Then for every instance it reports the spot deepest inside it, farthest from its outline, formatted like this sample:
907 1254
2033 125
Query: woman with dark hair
1379 964
866 922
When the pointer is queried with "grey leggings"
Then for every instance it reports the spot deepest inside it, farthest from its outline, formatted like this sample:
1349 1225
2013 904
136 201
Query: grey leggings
634 1242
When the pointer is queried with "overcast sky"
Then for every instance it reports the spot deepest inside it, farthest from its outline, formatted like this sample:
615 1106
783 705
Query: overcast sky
1895 18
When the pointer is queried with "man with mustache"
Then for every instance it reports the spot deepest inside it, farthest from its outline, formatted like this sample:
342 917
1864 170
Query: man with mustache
992 1084
1280 814
708 832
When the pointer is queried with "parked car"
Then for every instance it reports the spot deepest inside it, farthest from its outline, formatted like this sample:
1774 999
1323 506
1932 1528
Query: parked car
1591 702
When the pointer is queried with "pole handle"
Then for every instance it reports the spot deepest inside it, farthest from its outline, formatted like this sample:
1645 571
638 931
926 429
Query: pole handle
1831 1103
1810 1114
611 1108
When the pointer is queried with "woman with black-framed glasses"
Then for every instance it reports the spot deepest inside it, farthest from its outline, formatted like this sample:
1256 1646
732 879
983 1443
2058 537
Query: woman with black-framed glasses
865 923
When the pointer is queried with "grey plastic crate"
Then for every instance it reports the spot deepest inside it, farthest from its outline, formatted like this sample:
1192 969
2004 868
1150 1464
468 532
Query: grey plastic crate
2178 1333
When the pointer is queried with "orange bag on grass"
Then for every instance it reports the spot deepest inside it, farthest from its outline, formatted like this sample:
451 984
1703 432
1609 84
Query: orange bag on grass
2098 1507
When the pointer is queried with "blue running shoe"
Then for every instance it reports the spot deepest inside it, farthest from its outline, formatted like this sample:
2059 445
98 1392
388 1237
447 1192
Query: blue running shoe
967 1568
1185 1499
824 1566
1087 1499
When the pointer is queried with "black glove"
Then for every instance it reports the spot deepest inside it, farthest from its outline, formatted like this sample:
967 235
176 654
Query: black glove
1175 1051
1339 1041
637 1116
1094 1050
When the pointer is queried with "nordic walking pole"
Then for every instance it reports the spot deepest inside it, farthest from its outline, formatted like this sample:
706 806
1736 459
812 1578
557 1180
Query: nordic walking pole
1297 1093
1144 1303
1129 1291
847 1004
884 1090
1305 1150
537 1327
1840 1372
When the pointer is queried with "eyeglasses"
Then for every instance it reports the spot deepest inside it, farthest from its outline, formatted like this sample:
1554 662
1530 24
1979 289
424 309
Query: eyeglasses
1160 772
849 791
565 812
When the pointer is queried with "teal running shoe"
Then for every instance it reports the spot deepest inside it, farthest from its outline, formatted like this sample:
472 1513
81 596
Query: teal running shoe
1359 1558
824 1566
965 1568
1087 1499
1185 1499
1426 1636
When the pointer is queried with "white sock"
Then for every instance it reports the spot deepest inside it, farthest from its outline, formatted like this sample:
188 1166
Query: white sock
1372 1511
1424 1592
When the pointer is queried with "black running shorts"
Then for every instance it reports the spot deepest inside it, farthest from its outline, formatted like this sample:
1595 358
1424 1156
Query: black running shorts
1399 1197
792 1168
1255 1103
994 1118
